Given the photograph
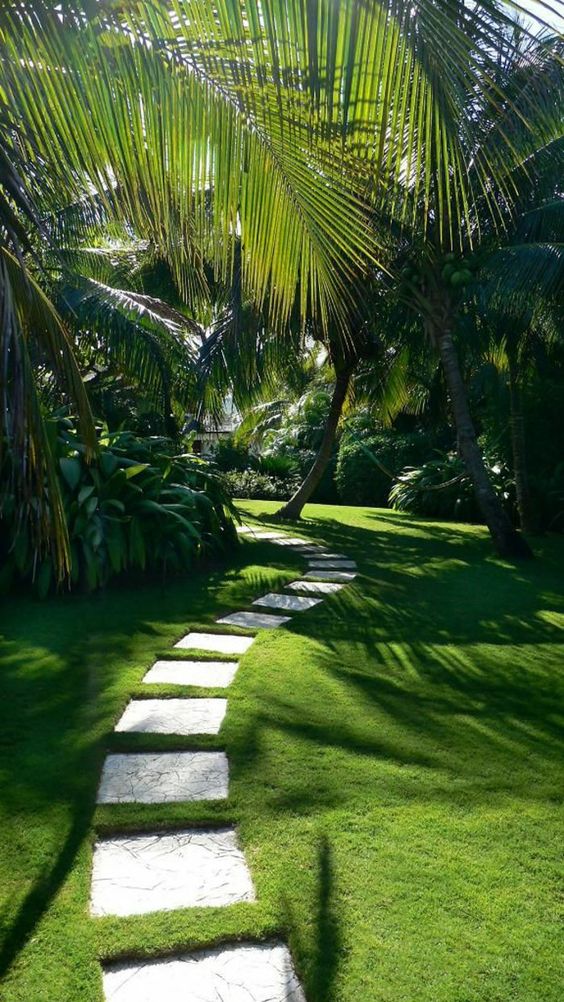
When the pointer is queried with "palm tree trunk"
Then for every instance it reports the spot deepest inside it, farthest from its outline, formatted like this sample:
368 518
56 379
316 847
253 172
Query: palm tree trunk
507 541
525 507
293 508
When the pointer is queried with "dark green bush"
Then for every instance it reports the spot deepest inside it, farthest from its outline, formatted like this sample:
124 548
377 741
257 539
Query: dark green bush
281 465
231 456
441 489
359 477
255 485
137 506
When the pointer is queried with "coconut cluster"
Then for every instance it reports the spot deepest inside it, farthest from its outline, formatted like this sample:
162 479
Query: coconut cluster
458 271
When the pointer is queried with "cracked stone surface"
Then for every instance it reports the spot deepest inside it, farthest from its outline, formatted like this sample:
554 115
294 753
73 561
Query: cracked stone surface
254 620
136 874
221 643
331 575
164 777
319 587
261 972
337 565
173 716
295 603
216 674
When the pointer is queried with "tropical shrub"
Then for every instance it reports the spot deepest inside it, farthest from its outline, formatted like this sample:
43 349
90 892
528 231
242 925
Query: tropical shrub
548 497
255 485
441 489
366 464
230 455
137 506
284 466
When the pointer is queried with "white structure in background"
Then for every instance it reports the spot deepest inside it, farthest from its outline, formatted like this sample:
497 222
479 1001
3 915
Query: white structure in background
209 433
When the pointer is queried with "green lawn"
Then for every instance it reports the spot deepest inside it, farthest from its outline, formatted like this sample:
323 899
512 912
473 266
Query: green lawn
396 769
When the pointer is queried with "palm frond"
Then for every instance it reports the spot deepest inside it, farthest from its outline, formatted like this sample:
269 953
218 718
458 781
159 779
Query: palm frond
29 322
522 271
265 121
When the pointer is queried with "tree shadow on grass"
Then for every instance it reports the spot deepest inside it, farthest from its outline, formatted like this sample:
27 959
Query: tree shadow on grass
447 659
68 666
45 886
321 957
445 730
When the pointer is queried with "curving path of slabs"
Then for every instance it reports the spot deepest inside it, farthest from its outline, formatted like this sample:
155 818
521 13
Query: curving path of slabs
200 867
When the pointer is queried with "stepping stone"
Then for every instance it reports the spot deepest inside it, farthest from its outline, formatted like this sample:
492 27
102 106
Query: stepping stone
305 547
295 603
320 587
255 620
217 674
136 874
332 556
292 541
163 777
261 972
338 565
173 716
268 535
330 575
221 643
309 551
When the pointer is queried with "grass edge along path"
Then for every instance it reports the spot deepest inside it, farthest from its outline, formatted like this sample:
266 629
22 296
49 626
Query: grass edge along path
265 976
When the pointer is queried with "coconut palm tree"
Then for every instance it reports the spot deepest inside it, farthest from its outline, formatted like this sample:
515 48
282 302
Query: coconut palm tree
32 335
521 300
529 76
275 126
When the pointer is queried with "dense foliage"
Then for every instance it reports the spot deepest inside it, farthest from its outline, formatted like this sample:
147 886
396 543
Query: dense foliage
137 506
441 488
176 217
368 463
255 485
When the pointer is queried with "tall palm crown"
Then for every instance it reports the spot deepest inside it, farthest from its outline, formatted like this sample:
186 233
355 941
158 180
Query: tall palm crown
270 120
274 125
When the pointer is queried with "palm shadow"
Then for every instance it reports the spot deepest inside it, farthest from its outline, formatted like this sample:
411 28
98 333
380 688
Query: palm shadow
320 959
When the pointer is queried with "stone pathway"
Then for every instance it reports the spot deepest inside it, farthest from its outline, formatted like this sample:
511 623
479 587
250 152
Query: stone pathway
202 867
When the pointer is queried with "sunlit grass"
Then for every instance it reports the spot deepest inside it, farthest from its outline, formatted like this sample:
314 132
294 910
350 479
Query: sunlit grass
395 761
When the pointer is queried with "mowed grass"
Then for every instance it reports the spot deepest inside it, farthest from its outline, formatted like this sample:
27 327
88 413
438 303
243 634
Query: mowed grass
396 769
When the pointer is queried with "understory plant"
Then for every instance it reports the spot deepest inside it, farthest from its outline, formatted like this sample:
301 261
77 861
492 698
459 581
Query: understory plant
368 462
256 485
137 506
442 488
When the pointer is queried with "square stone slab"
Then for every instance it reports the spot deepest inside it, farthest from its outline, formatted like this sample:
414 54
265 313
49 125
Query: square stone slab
164 777
319 587
254 620
309 549
338 565
261 972
173 716
291 541
135 874
331 575
262 534
295 603
218 674
332 556
221 643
